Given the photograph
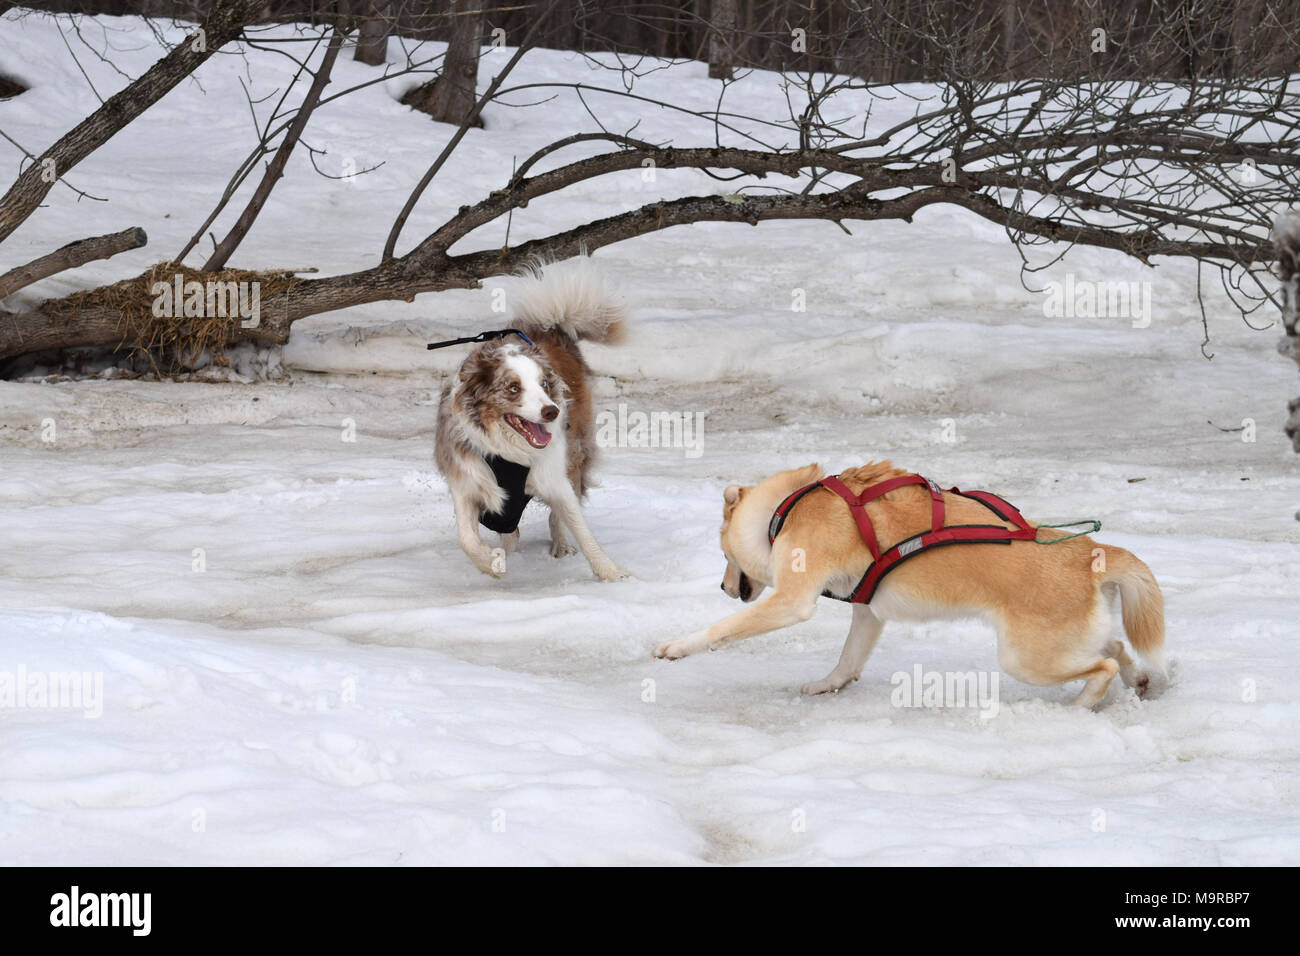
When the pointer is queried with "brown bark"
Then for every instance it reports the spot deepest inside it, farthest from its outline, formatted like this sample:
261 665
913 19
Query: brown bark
69 257
450 98
223 25
1010 25
376 26
722 38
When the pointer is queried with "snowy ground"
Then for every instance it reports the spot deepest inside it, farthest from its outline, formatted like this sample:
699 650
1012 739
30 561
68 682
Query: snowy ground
339 685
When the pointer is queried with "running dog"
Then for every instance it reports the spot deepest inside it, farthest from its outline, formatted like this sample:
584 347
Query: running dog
516 421
802 533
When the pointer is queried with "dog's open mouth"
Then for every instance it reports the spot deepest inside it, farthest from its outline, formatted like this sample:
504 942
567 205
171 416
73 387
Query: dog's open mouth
534 433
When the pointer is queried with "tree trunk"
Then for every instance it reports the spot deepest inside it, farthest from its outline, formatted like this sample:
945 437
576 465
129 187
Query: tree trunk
451 97
1010 25
1286 240
722 39
376 25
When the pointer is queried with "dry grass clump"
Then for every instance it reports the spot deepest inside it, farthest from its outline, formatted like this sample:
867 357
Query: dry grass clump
174 343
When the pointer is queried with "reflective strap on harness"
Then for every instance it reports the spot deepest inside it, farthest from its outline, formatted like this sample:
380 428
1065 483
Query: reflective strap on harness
778 516
958 534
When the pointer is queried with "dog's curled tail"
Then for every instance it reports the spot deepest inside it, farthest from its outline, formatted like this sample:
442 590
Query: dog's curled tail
569 296
1142 604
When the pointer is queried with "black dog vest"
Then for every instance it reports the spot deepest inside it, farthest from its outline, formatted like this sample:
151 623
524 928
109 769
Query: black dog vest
510 476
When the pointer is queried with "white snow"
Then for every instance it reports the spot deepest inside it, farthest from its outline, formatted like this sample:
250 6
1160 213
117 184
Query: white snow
339 685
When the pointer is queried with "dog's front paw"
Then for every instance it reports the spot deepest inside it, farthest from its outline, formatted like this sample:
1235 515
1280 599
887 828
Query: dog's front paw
492 563
672 650
831 683
610 572
560 549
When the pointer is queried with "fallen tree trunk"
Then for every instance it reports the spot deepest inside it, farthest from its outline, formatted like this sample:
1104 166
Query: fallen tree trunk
120 314
112 316
71 256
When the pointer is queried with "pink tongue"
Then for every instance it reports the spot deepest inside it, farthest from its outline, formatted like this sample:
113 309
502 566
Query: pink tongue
539 434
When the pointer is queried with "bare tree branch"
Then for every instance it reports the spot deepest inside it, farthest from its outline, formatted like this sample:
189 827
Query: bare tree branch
223 25
71 256
275 169
390 244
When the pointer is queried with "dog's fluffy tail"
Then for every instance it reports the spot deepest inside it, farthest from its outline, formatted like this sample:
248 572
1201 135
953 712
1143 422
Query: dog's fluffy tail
569 296
1143 606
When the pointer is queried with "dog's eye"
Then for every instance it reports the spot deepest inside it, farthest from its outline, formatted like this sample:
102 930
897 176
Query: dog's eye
514 389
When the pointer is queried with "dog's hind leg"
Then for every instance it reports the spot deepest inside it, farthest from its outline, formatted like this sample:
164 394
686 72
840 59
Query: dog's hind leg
559 540
1098 680
863 633
510 542
1066 645
1129 672
488 560
1097 676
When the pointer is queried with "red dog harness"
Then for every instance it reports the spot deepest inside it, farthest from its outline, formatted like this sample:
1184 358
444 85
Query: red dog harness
939 535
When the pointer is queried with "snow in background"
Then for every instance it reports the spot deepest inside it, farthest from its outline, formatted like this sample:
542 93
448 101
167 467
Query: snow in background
341 686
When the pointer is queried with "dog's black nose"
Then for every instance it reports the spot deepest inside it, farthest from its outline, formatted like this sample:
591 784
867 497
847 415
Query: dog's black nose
550 413
723 585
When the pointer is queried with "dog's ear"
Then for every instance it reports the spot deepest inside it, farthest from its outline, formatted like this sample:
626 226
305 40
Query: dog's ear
732 494
477 371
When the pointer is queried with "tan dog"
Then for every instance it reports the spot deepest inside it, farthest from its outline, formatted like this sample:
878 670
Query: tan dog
1046 602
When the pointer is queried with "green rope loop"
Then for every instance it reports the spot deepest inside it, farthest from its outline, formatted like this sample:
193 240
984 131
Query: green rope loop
1095 527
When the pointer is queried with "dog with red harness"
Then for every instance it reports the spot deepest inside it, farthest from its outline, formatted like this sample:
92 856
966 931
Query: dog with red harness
898 547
